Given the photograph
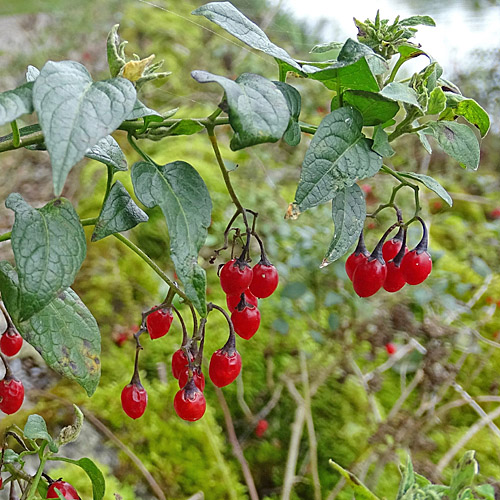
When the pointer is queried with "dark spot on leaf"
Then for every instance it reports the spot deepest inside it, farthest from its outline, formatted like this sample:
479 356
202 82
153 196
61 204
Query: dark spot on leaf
97 361
87 345
65 351
450 135
73 366
57 203
62 295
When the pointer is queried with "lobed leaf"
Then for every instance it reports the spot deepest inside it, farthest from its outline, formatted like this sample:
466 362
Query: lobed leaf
338 156
183 197
15 103
75 112
348 213
118 213
49 247
258 111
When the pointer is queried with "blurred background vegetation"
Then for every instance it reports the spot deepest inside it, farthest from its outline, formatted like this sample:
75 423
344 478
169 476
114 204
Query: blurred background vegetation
317 370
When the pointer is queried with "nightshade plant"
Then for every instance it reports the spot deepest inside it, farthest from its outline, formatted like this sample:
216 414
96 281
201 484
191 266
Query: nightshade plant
370 109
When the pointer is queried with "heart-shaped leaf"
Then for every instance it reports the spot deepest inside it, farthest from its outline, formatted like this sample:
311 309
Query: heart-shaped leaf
49 247
228 17
108 151
338 156
75 112
258 111
64 332
348 213
15 103
119 213
183 197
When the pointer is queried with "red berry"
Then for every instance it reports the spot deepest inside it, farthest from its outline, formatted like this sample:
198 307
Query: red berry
158 322
265 279
235 277
416 267
261 428
391 247
189 403
179 362
198 377
11 342
394 279
233 300
390 348
246 322
134 400
417 264
11 395
361 254
495 213
64 488
1 483
224 367
369 277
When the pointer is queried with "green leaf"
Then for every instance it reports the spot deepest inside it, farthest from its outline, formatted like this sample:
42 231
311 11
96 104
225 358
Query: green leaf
119 213
458 105
409 51
32 73
49 247
140 110
486 491
10 456
93 472
75 113
185 126
348 213
114 51
407 479
9 282
292 135
375 108
67 336
381 143
417 20
36 428
258 112
400 92
463 475
437 101
361 492
108 151
183 197
457 140
352 68
326 47
228 17
425 142
338 156
430 183
15 103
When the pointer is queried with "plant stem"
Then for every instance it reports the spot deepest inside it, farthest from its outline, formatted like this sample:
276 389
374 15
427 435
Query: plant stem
402 128
27 140
282 73
16 139
225 174
394 71
108 183
34 483
151 264
138 150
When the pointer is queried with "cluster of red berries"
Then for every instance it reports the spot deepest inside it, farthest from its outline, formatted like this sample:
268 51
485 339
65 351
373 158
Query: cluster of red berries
243 285
11 389
390 266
